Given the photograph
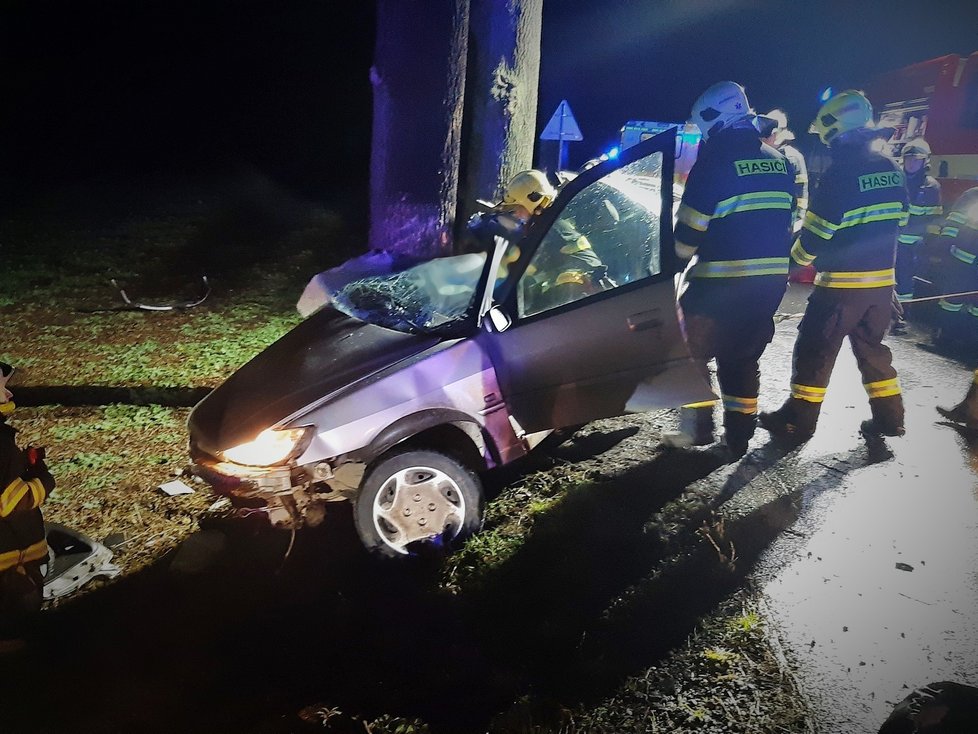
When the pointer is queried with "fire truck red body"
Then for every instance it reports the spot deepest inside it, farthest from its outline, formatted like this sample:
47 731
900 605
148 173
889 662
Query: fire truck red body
936 99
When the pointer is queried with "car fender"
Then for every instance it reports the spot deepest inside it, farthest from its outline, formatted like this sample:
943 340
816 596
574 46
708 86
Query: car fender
411 425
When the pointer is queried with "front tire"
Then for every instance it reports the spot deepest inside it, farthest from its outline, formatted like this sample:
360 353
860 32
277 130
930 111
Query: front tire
417 502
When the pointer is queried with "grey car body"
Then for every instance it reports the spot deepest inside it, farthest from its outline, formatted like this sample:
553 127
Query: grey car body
413 413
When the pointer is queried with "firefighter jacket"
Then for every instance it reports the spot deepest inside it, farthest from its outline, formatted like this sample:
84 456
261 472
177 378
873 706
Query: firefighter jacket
486 230
23 488
850 229
796 165
736 209
960 228
924 193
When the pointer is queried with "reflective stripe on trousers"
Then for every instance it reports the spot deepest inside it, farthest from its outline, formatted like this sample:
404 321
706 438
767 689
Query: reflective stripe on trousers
740 268
856 279
737 404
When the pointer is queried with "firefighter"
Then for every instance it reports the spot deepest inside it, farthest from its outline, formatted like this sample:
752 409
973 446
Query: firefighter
849 233
561 272
779 139
924 193
24 483
959 238
735 217
566 268
526 195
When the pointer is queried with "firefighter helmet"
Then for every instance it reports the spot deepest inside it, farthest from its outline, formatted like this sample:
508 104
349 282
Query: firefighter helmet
719 106
846 111
916 156
780 132
529 189
918 148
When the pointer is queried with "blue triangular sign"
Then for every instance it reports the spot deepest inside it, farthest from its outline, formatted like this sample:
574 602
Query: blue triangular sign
562 125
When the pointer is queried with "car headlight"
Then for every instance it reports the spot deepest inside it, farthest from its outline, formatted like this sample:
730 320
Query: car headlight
271 446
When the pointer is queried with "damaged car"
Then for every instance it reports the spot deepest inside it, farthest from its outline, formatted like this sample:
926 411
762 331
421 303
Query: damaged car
408 386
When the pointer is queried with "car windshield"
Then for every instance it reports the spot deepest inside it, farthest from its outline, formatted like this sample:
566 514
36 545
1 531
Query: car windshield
432 297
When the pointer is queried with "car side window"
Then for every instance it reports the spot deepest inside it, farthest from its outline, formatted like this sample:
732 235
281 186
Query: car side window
606 236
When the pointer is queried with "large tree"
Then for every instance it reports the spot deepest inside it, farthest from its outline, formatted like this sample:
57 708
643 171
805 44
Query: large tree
455 97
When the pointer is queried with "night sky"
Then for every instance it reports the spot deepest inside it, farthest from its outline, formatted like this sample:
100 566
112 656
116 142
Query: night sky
650 59
118 88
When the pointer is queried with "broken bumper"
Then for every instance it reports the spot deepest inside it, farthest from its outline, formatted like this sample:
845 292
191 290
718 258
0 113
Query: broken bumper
288 497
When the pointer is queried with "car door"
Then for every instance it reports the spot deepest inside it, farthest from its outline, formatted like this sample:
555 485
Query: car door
586 325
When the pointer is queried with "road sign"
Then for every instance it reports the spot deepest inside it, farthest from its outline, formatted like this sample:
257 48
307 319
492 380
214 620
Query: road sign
562 125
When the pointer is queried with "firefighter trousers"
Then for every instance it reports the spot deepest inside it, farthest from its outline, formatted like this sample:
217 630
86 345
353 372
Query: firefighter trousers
906 269
732 321
959 314
832 314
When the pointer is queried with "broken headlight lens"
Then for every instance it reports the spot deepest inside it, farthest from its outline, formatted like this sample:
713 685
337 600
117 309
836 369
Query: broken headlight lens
271 446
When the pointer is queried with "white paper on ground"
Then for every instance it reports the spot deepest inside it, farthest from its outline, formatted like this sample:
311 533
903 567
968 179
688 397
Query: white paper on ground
176 487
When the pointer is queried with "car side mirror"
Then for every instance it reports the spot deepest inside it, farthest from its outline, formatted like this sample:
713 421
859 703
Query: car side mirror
499 318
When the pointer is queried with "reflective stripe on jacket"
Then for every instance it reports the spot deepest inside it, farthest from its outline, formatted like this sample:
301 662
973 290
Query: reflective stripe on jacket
735 213
924 194
34 552
959 230
23 491
850 229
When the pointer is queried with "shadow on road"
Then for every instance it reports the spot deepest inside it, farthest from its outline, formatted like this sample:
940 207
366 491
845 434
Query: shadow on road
603 588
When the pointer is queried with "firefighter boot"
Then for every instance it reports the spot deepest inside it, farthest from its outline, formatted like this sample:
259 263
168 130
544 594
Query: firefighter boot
791 422
887 417
964 413
695 427
738 430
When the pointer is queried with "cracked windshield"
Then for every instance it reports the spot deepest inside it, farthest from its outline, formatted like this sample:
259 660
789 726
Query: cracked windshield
433 296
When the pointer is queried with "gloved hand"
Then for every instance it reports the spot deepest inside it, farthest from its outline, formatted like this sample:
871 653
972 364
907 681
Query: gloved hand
35 454
34 458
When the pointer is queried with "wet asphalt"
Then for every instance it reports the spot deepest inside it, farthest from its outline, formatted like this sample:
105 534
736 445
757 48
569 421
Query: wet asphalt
871 585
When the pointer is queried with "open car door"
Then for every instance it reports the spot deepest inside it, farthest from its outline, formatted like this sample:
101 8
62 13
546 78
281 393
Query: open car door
586 324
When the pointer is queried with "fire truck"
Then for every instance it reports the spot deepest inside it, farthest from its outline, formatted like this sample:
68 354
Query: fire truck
938 100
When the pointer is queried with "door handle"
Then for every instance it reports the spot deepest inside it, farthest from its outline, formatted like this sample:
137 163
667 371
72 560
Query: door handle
643 321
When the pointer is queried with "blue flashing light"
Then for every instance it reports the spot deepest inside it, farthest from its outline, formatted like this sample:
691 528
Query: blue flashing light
826 94
613 153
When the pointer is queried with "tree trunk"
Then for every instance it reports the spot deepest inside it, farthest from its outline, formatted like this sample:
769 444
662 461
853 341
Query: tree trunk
501 97
455 93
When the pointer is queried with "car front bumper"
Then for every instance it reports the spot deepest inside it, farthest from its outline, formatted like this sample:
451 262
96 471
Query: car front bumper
288 496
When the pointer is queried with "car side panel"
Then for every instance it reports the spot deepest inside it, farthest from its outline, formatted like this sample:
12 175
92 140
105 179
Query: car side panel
457 379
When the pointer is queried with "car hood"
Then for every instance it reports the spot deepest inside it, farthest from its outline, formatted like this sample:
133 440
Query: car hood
323 354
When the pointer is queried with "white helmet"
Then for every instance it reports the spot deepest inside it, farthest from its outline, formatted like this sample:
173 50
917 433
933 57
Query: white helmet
780 131
918 147
719 106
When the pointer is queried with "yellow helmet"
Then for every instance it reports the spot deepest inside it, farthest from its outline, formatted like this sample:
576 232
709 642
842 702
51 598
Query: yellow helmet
846 111
529 189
